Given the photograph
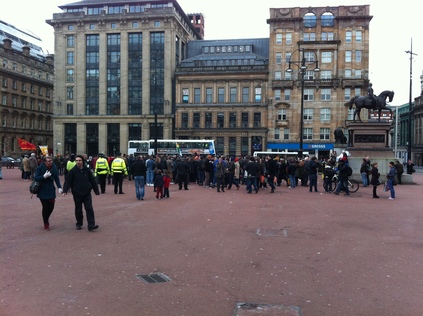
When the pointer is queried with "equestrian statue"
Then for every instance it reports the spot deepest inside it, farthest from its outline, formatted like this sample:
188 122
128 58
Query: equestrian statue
370 102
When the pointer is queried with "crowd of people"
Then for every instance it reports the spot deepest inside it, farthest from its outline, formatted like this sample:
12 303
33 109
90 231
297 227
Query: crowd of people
84 174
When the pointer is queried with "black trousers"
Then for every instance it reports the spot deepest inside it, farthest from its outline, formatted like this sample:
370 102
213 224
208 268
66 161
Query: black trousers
183 179
85 200
48 207
102 181
118 181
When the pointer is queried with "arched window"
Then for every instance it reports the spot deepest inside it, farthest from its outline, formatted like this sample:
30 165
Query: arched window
327 19
310 20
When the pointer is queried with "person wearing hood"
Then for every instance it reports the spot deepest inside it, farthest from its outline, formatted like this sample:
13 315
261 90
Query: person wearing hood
70 164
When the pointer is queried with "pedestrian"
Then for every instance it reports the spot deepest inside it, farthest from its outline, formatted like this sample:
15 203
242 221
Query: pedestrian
119 171
234 175
251 171
166 184
158 184
101 170
151 165
328 174
33 164
139 173
272 171
374 181
182 171
342 177
410 167
81 181
220 174
400 170
47 174
208 170
391 178
70 164
364 172
26 168
313 167
291 170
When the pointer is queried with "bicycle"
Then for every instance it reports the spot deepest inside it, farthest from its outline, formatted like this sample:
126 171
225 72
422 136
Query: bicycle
353 185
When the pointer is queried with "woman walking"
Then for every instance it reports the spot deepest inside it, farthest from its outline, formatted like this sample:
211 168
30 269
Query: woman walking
47 174
375 179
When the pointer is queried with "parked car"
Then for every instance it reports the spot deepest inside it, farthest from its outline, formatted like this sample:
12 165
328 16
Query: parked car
8 162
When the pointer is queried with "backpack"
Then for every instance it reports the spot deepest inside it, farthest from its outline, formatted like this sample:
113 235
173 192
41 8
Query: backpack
348 171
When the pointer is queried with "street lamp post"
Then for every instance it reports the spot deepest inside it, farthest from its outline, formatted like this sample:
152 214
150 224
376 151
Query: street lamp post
410 106
302 65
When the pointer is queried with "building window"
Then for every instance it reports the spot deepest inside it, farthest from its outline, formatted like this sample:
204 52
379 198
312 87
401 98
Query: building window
282 114
14 101
134 25
347 92
220 120
221 95
156 23
23 86
358 56
348 37
208 120
327 19
185 95
308 115
288 38
357 91
232 146
14 85
40 105
287 94
325 114
357 73
209 95
348 73
32 89
327 36
278 58
4 83
197 95
348 56
69 109
196 120
286 133
69 93
245 94
326 74
278 75
233 95
135 131
325 94
70 27
277 133
324 133
309 37
184 120
257 95
112 25
358 37
232 120
278 39
244 120
310 20
288 75
70 41
257 119
308 133
277 94
326 57
92 26
70 58
69 76
287 57
308 95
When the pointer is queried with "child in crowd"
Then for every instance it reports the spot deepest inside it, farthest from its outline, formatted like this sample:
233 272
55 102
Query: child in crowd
158 184
166 184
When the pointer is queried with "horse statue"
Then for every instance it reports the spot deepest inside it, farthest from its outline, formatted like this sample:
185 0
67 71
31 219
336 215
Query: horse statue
365 102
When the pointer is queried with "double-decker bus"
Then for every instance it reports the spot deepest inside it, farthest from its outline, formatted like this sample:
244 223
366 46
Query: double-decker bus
172 147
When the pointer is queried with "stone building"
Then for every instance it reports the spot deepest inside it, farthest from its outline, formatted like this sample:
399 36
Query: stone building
26 77
337 38
221 94
115 63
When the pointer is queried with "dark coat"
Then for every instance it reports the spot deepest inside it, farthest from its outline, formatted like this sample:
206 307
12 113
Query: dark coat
343 176
158 181
253 168
47 191
375 176
138 168
81 181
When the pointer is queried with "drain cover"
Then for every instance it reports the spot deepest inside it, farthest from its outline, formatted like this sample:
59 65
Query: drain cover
155 277
246 309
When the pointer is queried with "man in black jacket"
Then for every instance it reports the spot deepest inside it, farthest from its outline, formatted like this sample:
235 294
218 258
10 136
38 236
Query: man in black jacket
272 171
343 177
81 181
139 173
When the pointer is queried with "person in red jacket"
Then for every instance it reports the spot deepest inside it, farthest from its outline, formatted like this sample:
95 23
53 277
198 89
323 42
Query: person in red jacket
166 184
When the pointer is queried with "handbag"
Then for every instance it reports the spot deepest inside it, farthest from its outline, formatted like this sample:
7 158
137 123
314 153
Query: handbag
385 187
34 187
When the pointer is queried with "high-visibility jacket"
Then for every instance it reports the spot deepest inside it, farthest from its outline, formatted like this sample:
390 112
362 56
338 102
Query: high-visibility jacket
101 166
70 165
119 166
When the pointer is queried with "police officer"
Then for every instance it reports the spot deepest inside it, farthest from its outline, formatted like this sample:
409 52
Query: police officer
101 171
118 171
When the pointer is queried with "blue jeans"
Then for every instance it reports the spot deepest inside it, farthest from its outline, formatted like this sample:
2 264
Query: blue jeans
391 188
342 185
251 182
313 182
364 179
139 187
292 181
150 176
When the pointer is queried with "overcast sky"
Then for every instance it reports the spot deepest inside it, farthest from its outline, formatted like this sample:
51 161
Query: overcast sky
391 30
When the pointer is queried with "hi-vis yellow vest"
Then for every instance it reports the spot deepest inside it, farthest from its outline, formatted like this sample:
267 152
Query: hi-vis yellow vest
119 166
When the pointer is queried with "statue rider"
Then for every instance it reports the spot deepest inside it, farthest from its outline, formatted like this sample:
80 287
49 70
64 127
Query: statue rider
371 95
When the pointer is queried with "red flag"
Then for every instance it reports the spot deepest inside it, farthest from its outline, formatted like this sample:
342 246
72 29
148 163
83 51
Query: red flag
26 145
